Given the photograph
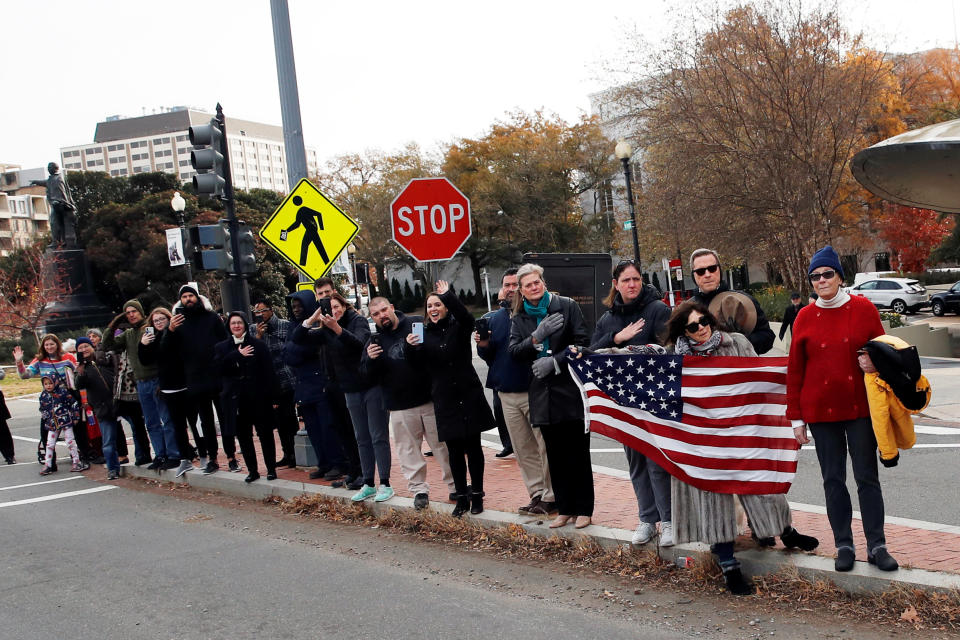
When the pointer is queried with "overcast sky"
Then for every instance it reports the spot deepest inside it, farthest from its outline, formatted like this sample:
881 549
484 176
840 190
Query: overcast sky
372 74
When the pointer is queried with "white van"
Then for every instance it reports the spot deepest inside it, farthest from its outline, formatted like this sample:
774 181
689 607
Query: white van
860 278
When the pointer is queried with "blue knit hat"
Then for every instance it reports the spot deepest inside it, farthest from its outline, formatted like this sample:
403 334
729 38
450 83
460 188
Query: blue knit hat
826 257
84 340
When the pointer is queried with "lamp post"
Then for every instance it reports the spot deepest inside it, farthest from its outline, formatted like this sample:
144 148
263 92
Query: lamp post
623 151
179 204
352 251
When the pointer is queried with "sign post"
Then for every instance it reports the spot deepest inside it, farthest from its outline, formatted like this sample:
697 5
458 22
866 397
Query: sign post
667 266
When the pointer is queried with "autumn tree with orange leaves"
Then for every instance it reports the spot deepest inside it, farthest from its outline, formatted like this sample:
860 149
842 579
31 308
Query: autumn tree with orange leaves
911 235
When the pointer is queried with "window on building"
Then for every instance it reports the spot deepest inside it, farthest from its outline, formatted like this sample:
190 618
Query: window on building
182 138
184 163
118 160
93 150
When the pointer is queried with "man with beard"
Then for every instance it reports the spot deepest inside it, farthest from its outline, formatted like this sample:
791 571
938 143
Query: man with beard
708 274
274 330
155 413
193 332
407 392
510 381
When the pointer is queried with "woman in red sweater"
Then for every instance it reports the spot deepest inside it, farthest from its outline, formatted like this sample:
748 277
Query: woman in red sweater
825 390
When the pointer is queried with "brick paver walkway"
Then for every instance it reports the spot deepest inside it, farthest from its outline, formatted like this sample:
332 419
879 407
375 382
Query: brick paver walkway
616 507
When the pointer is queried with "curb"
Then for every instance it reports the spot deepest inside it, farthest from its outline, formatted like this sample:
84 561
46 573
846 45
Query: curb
863 579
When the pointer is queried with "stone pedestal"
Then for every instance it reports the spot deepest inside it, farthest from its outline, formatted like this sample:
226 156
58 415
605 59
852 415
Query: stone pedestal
81 307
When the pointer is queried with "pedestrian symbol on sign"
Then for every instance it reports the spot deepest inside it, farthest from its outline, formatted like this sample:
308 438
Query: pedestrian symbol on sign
312 223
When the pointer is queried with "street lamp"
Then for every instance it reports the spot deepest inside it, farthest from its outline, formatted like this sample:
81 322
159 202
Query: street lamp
179 204
352 251
623 151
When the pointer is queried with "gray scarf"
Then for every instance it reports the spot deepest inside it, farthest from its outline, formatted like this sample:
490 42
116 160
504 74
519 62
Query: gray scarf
685 347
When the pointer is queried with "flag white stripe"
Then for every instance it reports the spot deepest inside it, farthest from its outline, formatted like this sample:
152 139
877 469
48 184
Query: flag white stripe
716 371
735 412
733 389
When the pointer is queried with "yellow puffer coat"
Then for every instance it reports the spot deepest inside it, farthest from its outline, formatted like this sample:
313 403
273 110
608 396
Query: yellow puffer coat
892 423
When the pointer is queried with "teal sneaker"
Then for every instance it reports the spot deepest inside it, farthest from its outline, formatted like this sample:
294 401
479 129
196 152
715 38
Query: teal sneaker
365 492
384 494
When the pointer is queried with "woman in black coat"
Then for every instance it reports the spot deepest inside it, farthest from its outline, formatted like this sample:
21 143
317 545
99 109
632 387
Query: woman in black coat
459 402
249 391
544 325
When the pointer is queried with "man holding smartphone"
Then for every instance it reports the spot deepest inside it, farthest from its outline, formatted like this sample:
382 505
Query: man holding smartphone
407 392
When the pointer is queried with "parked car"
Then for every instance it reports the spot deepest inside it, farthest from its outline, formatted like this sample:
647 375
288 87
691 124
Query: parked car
901 295
944 301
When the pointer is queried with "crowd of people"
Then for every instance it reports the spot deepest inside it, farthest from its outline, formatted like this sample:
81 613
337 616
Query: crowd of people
167 373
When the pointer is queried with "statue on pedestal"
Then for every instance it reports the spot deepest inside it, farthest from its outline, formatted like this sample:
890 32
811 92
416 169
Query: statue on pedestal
63 211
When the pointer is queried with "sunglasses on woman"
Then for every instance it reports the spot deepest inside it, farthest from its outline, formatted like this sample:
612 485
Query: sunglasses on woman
827 275
693 327
702 270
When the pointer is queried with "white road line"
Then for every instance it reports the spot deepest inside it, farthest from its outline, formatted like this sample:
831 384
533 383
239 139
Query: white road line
56 496
937 431
944 445
4 466
906 522
36 484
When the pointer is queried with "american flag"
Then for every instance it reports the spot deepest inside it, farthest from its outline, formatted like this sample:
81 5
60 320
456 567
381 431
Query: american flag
717 423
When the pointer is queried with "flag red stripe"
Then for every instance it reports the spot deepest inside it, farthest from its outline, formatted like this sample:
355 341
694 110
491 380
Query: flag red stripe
734 377
760 419
704 439
733 362
717 486
717 402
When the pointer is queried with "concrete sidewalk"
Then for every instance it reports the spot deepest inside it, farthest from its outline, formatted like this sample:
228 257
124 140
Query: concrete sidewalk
928 558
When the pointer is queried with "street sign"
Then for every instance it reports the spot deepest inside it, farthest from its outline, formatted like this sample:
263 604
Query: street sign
309 230
430 219
627 225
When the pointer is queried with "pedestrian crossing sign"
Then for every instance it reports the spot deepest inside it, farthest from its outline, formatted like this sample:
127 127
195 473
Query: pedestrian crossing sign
309 230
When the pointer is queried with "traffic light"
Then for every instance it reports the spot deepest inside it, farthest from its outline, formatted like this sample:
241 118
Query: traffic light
207 158
246 246
211 247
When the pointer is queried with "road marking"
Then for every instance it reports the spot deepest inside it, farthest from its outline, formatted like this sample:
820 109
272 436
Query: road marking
944 445
17 464
56 496
937 431
36 484
620 450
905 522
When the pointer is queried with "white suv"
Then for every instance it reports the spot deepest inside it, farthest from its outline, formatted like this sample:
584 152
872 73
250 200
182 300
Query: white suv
900 294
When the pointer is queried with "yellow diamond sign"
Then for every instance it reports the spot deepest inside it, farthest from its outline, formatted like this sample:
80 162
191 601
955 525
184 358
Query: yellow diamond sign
309 230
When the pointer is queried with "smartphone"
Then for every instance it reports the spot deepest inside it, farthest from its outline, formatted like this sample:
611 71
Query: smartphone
325 306
375 339
482 326
418 330
149 331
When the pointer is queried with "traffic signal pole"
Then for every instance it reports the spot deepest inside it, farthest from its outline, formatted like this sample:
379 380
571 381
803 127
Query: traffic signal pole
234 291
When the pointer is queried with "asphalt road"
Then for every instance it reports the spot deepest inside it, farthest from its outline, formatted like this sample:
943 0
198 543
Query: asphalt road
85 559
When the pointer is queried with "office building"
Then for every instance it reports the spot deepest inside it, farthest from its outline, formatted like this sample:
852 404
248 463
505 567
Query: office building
159 142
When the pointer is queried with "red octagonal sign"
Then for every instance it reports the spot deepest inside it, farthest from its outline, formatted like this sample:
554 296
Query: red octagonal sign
430 219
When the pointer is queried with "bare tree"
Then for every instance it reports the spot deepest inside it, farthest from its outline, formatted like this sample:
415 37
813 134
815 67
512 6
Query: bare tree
30 284
751 125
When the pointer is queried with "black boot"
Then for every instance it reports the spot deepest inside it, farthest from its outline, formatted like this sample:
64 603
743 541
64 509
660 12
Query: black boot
792 538
463 505
737 584
476 502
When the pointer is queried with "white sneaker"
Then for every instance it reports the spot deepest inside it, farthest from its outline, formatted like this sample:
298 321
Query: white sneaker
643 534
666 534
203 463
185 465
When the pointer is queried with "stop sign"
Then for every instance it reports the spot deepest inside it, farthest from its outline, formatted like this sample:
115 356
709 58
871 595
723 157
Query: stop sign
430 219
